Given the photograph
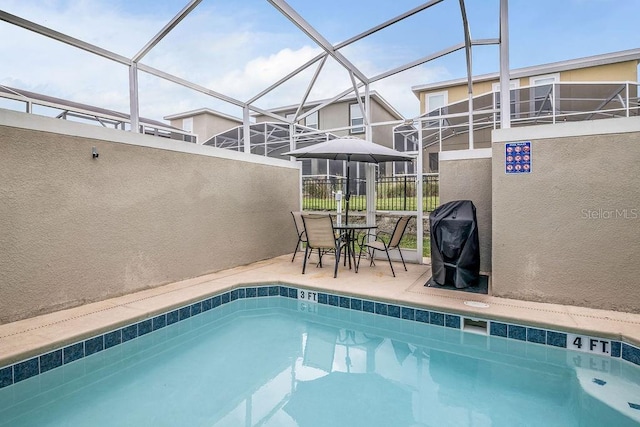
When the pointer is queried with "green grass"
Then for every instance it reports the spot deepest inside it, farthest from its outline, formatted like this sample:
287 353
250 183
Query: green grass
409 241
359 203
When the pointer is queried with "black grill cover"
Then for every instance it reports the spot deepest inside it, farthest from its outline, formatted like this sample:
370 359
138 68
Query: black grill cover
455 251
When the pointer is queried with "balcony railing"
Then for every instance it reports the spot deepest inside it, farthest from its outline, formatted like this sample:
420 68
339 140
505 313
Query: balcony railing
29 102
532 105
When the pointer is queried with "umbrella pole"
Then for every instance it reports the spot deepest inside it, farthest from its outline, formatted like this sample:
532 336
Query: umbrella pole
348 196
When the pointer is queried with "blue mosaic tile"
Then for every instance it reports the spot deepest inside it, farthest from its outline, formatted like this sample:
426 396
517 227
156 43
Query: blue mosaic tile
129 332
345 302
50 361
356 304
368 306
538 336
381 308
599 381
498 329
634 405
517 332
616 348
422 316
241 293
6 376
224 298
144 327
252 293
112 339
206 305
159 322
173 317
408 313
284 291
196 308
216 301
557 339
293 293
323 298
72 353
274 291
263 291
436 318
631 354
393 311
185 312
93 345
234 295
26 369
452 321
333 300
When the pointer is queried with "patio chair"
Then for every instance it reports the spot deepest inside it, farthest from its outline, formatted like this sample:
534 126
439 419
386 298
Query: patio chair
321 236
302 236
378 244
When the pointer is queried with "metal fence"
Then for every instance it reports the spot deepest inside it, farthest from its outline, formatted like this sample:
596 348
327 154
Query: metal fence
392 193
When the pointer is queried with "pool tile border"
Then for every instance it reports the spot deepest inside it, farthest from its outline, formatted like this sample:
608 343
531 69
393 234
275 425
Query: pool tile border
31 367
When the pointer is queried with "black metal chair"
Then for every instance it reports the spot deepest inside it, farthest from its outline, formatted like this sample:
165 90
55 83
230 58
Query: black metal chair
379 244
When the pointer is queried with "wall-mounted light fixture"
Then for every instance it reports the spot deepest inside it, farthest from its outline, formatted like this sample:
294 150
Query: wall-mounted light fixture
94 152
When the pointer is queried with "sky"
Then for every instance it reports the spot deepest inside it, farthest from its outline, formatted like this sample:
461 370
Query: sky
241 47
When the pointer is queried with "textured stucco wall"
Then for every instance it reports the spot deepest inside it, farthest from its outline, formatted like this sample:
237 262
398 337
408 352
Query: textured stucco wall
75 229
470 179
569 232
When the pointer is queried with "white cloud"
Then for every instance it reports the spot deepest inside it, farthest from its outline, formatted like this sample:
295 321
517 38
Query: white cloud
209 49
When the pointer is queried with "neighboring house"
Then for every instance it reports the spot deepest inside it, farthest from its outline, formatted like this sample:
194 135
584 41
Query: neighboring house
590 88
345 113
270 137
203 123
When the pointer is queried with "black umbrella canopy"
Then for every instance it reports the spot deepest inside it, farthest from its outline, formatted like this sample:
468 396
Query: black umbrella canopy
347 399
350 149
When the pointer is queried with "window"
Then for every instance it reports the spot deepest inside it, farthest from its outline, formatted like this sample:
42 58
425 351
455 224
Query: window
187 124
312 121
356 119
436 100
541 93
433 162
514 96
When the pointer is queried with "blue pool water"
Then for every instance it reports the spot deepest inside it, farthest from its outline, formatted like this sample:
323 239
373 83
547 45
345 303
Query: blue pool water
279 362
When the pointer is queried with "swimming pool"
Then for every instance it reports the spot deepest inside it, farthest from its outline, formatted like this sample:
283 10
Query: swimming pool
261 356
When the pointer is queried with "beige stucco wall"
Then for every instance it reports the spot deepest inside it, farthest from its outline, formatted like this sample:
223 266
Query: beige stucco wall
383 134
206 125
469 178
74 229
569 232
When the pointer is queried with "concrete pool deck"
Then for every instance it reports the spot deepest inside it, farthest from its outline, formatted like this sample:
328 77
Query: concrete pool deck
34 336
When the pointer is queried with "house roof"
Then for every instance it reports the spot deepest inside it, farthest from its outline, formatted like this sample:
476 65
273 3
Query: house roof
199 111
374 95
553 67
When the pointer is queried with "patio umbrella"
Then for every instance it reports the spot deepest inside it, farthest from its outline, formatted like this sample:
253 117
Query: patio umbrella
350 149
347 399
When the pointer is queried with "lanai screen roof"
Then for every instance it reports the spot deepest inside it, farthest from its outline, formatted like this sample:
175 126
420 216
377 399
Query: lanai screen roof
273 136
145 58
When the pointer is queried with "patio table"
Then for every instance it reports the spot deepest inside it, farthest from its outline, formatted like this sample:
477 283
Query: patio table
350 235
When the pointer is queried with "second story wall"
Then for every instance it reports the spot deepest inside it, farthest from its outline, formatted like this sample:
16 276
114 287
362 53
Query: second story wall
616 72
205 125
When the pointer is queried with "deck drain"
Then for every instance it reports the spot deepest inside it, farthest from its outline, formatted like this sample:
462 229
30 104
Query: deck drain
476 304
